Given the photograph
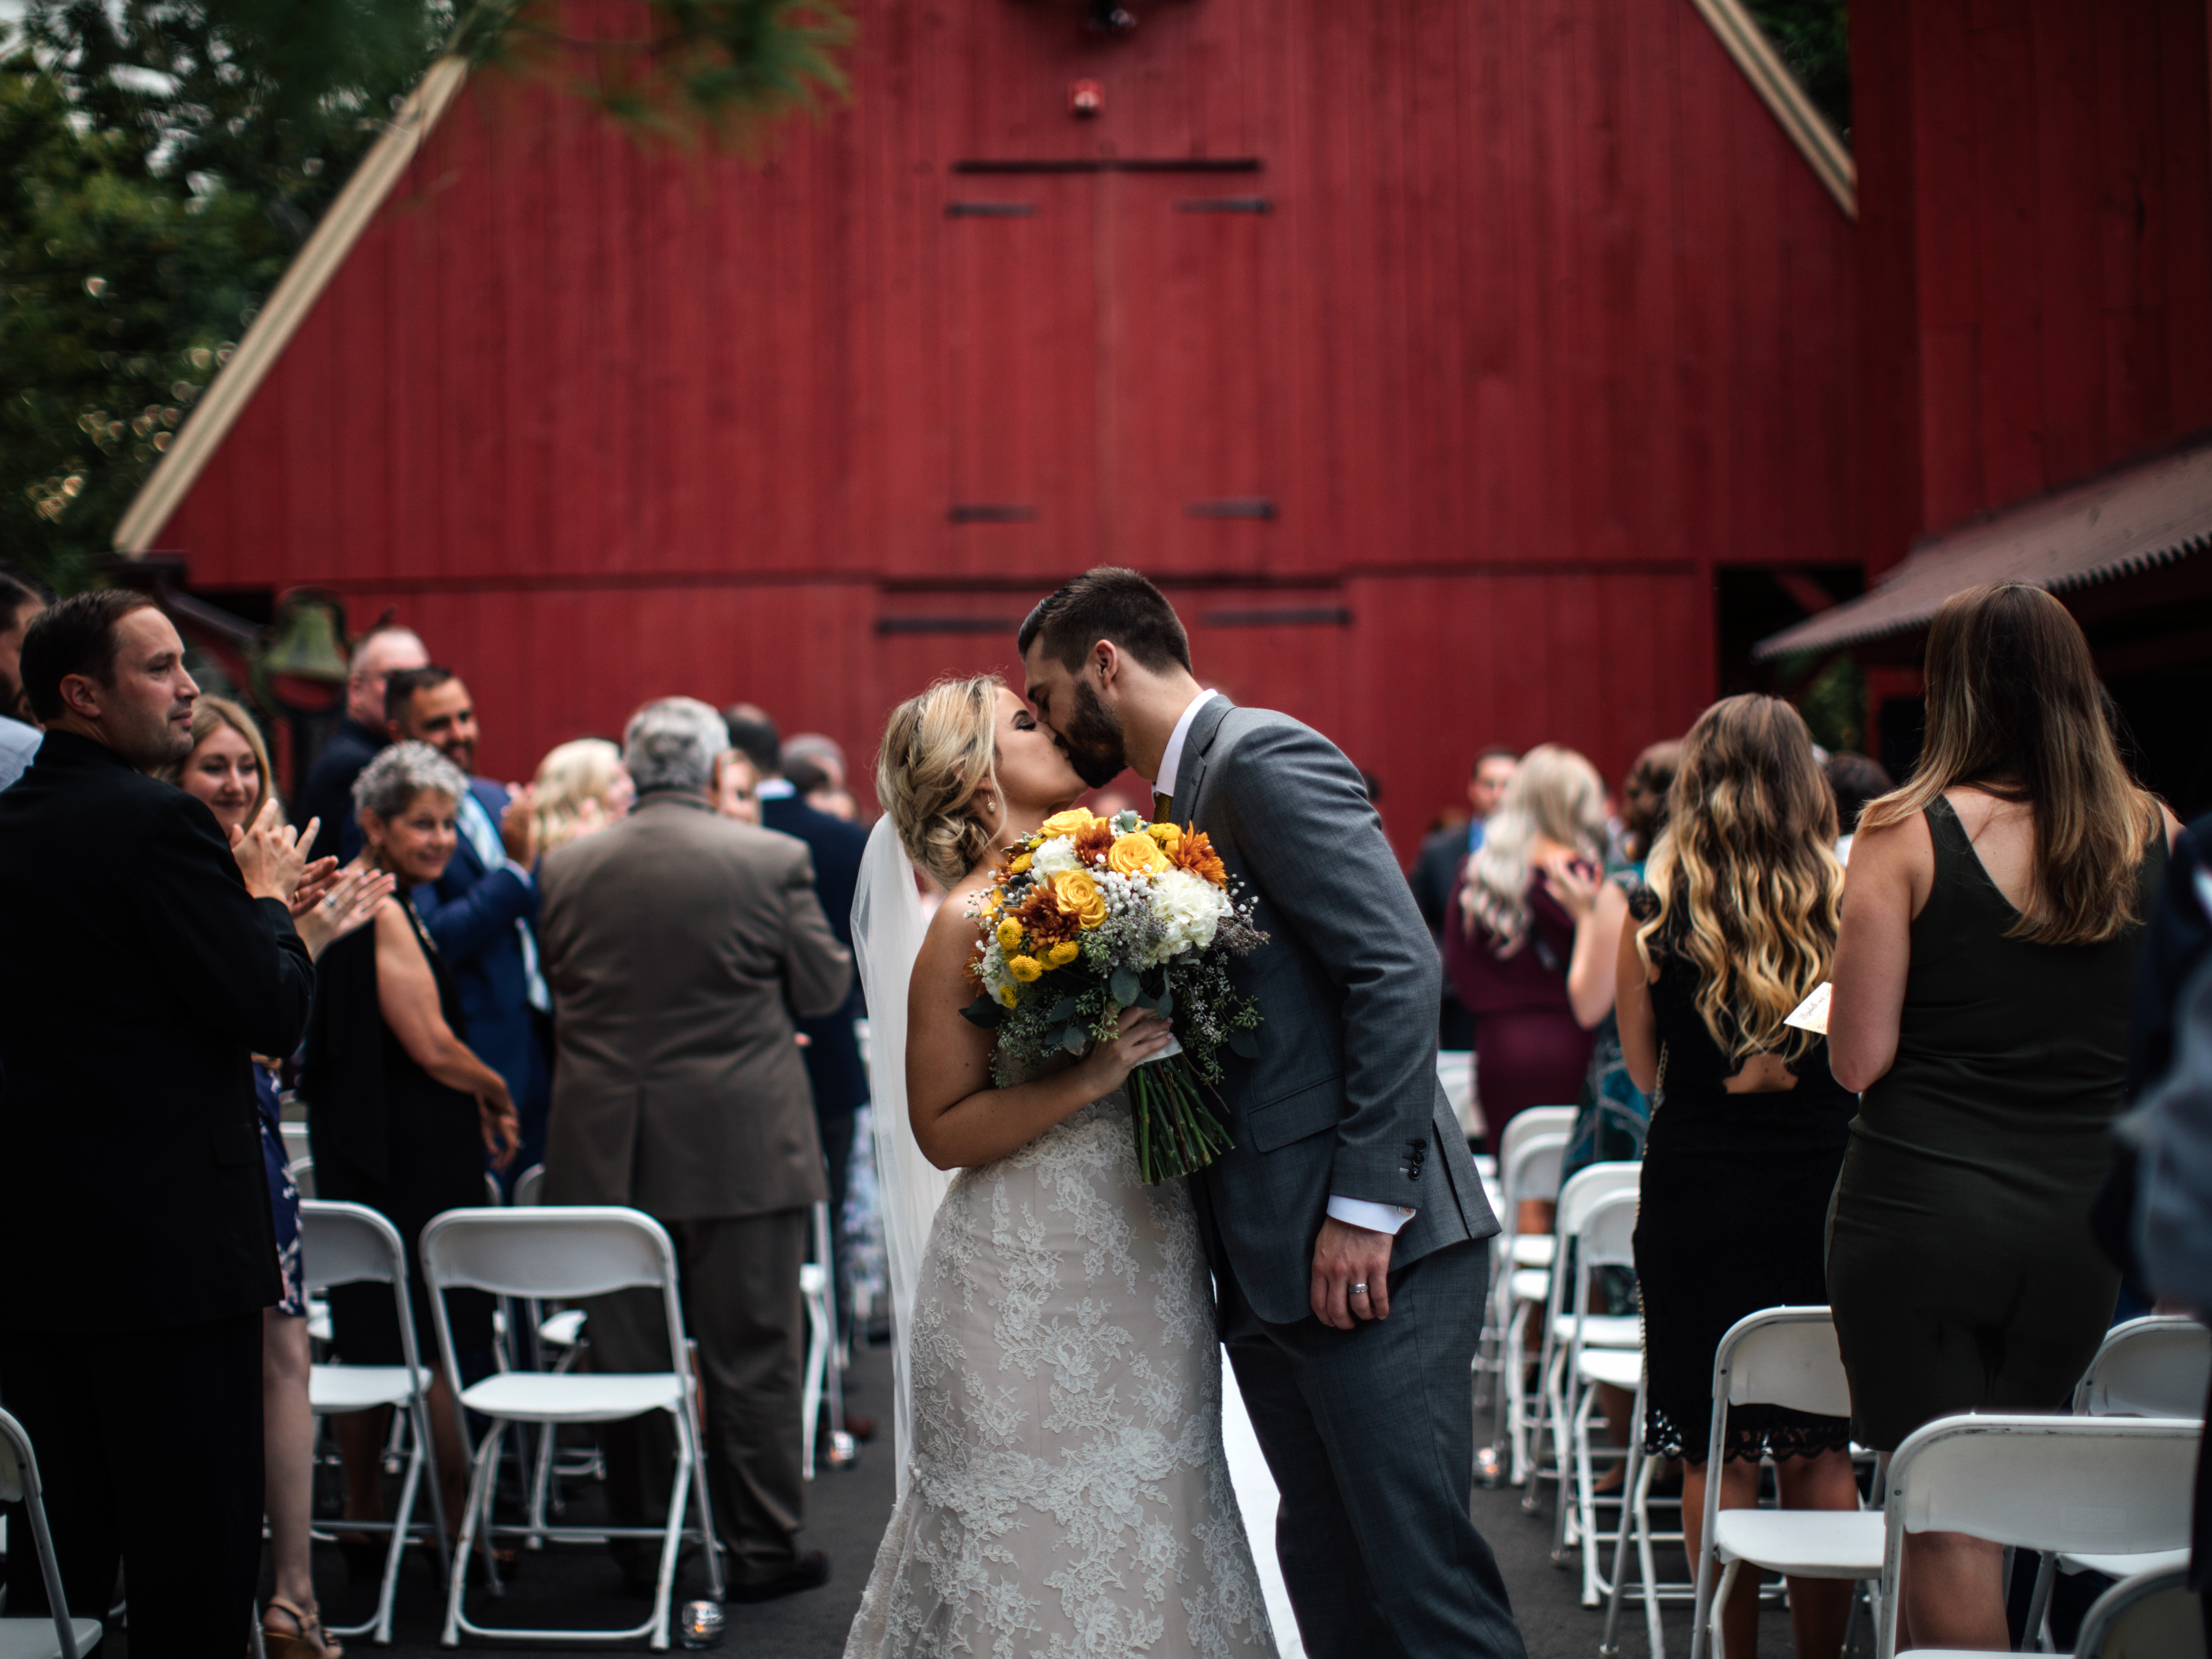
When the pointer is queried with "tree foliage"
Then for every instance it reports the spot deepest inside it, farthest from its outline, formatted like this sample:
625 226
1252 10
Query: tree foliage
1814 38
166 159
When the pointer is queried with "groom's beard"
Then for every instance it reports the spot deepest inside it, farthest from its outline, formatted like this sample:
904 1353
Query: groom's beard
1093 738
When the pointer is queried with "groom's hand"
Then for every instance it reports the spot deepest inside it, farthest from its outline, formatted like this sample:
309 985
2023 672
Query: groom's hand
1345 1255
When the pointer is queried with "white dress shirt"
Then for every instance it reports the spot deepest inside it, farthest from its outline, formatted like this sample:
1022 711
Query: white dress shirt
1354 1212
491 849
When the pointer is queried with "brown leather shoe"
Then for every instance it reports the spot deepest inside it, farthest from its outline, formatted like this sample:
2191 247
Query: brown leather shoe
810 1572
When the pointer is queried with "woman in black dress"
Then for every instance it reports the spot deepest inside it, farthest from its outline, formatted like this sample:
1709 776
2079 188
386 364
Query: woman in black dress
1983 979
1736 925
400 1111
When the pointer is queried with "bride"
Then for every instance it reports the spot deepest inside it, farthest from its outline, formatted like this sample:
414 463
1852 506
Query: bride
1063 1491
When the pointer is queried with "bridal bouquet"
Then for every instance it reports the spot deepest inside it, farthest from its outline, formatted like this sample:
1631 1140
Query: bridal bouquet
1092 916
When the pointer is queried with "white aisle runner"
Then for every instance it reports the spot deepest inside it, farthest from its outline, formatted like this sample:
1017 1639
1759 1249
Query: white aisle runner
1257 1497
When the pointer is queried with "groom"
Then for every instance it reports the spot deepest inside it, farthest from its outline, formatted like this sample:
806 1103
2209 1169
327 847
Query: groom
1345 1229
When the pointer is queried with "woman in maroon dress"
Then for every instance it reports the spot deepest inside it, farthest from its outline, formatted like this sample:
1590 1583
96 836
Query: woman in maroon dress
1508 939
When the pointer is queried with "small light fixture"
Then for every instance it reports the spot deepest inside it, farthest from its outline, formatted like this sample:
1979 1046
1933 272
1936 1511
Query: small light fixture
1109 17
1087 100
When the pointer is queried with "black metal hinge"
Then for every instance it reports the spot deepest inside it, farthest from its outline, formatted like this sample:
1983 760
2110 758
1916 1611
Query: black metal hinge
990 209
990 512
1234 507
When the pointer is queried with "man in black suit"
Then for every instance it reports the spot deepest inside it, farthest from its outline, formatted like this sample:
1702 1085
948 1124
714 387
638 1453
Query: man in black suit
149 959
1437 869
834 1067
378 655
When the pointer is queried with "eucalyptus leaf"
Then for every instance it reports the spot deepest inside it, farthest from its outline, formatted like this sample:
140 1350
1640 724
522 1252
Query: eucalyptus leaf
1062 1010
1125 988
1165 1006
986 1011
1076 1040
1246 1043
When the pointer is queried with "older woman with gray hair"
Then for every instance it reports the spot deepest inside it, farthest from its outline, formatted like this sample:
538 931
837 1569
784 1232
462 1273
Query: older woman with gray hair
401 1111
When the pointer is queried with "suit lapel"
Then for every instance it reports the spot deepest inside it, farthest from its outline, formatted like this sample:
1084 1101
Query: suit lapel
1197 750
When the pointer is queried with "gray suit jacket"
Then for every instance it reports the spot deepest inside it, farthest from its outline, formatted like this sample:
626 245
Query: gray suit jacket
1344 1097
678 946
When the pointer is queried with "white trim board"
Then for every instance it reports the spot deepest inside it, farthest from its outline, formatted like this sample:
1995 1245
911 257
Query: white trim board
286 308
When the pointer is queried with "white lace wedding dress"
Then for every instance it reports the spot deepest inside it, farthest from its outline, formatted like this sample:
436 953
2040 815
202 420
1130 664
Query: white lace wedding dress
1068 1496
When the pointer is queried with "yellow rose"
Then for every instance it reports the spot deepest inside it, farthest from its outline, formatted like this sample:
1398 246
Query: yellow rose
1078 896
1167 835
1068 823
1062 953
1024 969
1009 933
1006 995
1019 864
1135 854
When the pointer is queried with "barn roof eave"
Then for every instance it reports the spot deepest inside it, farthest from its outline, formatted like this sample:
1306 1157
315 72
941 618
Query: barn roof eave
287 305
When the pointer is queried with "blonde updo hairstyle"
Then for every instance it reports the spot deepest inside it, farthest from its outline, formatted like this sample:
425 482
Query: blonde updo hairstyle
581 770
939 751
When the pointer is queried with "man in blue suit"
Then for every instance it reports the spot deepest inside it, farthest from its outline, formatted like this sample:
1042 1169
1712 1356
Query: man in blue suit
483 912
834 1067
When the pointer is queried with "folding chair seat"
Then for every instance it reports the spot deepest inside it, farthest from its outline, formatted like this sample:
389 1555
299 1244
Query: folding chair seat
2110 1486
567 1253
1571 1324
1779 1357
353 1244
2151 1613
59 1634
2159 1366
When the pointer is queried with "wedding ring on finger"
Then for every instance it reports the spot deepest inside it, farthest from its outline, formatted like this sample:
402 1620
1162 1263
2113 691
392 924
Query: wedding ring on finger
330 901
1359 1289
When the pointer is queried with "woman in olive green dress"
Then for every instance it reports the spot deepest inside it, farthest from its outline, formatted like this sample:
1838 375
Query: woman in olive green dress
1987 949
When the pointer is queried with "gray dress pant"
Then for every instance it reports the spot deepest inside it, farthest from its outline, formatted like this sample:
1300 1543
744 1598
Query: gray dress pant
1371 1436
738 1277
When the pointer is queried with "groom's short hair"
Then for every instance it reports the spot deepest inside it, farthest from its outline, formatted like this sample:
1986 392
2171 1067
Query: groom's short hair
1107 603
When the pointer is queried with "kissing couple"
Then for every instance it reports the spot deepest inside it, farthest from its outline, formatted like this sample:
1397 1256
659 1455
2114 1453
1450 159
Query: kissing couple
1063 1490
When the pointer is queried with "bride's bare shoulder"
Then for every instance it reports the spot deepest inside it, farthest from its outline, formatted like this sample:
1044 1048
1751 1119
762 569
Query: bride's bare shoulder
952 937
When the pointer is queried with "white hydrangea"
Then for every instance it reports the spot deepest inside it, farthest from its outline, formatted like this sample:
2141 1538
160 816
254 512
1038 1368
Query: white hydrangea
1192 906
1054 856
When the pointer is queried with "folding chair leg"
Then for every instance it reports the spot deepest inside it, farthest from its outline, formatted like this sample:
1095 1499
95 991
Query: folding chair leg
2036 1638
711 1541
1586 1494
480 1485
388 1592
421 1412
1717 1643
541 1484
671 1543
1611 1645
809 1394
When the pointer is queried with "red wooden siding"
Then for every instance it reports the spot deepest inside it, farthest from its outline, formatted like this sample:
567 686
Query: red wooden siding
2036 195
1543 318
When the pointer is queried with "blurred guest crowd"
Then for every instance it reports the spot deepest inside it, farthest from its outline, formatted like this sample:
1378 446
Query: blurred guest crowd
630 978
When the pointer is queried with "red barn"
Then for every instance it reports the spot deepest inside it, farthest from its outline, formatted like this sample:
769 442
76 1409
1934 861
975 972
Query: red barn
1439 355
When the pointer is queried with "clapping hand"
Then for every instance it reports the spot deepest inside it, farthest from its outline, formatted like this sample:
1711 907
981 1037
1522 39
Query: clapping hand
271 857
348 902
518 826
1573 884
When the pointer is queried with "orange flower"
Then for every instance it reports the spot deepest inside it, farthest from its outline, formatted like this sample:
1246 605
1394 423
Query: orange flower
1046 921
1195 853
1136 854
1068 823
1093 839
1078 896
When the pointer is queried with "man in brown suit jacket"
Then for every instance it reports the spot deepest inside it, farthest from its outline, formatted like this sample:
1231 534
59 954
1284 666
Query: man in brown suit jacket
680 947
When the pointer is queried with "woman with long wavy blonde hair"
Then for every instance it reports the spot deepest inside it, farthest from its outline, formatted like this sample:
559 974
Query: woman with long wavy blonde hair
1508 940
1735 925
1982 989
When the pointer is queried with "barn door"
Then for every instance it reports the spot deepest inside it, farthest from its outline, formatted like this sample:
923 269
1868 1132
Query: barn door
1187 450
1021 316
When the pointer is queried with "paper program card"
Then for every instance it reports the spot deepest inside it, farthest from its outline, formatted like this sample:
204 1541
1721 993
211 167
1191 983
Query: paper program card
1812 1014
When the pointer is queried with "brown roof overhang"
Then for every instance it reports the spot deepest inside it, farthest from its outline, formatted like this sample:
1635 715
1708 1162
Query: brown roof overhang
2149 513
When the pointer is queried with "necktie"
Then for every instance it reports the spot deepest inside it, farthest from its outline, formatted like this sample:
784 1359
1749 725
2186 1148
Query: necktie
1162 807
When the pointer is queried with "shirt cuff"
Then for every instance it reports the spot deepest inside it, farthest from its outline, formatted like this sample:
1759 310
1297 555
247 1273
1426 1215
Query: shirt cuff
521 873
1375 1218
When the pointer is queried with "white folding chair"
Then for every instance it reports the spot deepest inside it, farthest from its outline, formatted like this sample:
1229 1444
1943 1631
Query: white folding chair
1520 1293
61 1636
295 1137
530 1184
567 1253
302 1171
2158 1366
817 1294
1455 1071
2106 1488
1570 1320
1780 1356
353 1244
1534 1250
560 1344
2153 1615
1603 1236
1636 1518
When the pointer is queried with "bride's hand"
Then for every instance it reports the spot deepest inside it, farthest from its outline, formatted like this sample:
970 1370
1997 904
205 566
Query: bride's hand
1143 1035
